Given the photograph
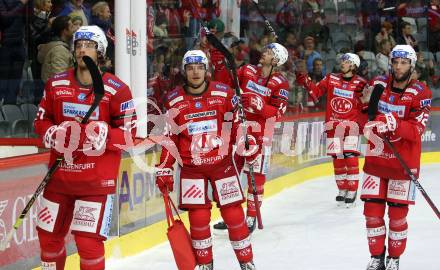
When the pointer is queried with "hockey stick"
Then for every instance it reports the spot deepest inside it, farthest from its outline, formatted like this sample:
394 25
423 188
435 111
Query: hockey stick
372 111
98 91
266 21
212 39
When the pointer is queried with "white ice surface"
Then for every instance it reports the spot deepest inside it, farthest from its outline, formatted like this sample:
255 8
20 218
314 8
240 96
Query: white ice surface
305 230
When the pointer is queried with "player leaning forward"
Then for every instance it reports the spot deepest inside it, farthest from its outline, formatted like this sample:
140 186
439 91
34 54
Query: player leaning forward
403 111
264 98
343 113
80 193
205 112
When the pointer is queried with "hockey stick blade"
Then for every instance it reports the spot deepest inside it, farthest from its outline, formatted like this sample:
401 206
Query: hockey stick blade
98 90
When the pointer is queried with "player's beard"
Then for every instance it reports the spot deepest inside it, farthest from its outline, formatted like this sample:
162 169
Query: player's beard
404 77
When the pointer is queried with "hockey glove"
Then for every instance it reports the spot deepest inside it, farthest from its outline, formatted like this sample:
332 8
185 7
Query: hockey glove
217 59
250 154
164 180
97 134
253 103
303 79
65 137
389 123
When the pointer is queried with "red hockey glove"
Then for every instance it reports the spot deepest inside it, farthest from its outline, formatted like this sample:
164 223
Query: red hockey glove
303 79
97 134
253 103
68 136
390 123
164 180
217 59
250 154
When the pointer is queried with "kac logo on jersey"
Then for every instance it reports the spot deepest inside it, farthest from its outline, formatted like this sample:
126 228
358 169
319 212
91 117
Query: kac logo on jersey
198 105
128 105
82 97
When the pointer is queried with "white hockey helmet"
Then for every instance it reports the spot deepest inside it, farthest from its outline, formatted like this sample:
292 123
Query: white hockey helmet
93 33
353 58
404 51
194 57
280 52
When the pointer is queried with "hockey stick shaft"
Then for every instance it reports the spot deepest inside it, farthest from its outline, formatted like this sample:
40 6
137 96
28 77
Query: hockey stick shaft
99 93
212 39
266 21
412 176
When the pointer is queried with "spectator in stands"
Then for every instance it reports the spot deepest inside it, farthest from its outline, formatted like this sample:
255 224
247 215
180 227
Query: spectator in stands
160 26
310 8
406 36
102 17
56 56
434 26
385 34
39 34
382 58
240 52
317 73
12 49
77 6
310 54
424 66
77 20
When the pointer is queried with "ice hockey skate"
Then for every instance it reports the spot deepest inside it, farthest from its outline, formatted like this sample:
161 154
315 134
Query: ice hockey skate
340 198
247 266
209 266
350 199
377 262
392 263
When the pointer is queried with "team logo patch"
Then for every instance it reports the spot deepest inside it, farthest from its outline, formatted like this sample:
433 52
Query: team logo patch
391 99
341 105
228 190
234 100
74 109
86 216
200 115
128 105
193 191
47 215
342 93
370 185
202 127
82 96
198 105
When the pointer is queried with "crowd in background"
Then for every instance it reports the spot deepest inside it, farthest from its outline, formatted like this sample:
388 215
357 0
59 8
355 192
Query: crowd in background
36 39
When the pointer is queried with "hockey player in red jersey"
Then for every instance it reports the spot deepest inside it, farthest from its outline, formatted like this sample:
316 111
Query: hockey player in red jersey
403 111
201 115
79 196
343 112
264 98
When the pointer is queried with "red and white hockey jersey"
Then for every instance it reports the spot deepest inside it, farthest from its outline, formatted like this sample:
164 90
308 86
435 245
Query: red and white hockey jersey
205 132
343 97
413 108
64 99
